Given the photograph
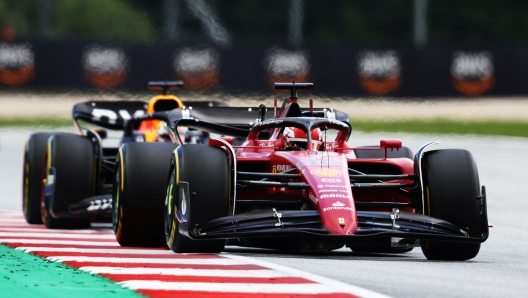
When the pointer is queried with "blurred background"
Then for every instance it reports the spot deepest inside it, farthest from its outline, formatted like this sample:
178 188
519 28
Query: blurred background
400 48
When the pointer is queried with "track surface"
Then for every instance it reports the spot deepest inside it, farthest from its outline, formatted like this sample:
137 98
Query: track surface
501 268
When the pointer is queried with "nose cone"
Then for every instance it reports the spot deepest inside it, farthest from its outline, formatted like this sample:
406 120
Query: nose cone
337 210
331 192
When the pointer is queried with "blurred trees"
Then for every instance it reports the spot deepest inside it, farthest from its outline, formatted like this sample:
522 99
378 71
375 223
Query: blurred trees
329 21
95 19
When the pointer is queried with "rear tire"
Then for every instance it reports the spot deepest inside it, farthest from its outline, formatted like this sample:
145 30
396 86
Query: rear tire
206 169
402 152
139 193
451 187
73 158
34 173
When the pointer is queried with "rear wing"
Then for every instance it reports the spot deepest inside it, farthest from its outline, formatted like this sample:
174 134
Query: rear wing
244 117
108 114
114 114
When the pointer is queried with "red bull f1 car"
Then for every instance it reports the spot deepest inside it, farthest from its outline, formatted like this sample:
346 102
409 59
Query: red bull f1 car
296 184
68 178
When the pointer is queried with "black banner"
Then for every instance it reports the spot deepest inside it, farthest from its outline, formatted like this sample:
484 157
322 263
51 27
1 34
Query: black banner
343 70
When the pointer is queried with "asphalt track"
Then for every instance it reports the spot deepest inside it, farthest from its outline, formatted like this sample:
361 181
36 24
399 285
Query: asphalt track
500 269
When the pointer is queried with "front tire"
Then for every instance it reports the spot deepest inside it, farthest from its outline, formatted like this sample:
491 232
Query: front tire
34 173
139 193
451 189
206 170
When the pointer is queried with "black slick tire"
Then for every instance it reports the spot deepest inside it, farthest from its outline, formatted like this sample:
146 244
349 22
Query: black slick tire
33 175
206 170
451 188
72 157
139 193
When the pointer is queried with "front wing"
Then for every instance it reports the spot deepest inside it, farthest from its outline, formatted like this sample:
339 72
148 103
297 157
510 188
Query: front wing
307 224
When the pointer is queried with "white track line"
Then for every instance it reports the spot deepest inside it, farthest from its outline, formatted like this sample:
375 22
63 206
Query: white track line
61 242
47 231
230 287
117 260
96 250
57 235
185 272
323 285
337 285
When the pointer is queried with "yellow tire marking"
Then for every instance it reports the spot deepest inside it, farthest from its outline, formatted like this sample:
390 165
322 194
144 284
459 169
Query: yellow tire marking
122 166
177 166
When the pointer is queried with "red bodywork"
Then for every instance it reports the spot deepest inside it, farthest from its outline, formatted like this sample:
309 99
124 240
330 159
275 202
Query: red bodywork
325 171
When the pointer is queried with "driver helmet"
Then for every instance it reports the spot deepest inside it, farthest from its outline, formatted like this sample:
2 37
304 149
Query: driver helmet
295 138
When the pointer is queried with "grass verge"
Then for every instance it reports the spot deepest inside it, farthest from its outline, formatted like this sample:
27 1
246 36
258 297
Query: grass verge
445 126
24 275
429 126
36 122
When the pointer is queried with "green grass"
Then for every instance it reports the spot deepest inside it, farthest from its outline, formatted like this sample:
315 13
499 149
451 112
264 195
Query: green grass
431 126
36 122
445 126
24 275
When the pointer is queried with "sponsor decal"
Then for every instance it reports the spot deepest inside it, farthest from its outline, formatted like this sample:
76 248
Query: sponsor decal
331 186
334 195
300 165
313 198
337 208
105 67
197 68
112 116
336 122
379 71
328 190
17 63
99 205
265 182
183 203
270 122
268 144
326 172
472 72
338 204
284 66
319 162
318 158
280 168
331 146
331 180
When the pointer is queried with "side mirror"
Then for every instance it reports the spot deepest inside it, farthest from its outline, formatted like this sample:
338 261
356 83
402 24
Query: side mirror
390 144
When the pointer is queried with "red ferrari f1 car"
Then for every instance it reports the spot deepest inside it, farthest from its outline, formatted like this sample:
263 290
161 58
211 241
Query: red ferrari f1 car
68 178
295 184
